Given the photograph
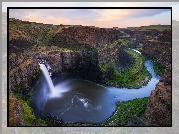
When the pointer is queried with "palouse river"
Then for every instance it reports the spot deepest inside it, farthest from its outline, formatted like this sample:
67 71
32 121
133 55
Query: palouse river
78 100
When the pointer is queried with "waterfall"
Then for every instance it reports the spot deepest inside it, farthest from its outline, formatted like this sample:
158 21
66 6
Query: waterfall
47 76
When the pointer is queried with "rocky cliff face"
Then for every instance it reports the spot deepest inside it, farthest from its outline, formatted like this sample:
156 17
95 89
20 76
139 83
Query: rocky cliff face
93 36
24 68
15 112
159 105
83 63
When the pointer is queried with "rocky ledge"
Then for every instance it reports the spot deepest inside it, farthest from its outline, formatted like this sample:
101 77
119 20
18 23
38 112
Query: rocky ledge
15 112
159 105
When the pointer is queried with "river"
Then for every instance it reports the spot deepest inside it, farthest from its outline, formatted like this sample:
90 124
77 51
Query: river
78 100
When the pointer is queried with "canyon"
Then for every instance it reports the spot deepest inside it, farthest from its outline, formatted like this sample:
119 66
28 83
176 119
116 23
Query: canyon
82 52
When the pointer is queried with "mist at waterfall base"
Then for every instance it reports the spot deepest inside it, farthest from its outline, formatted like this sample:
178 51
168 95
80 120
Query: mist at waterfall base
77 100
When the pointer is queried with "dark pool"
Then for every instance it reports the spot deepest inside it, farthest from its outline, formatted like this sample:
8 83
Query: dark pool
77 100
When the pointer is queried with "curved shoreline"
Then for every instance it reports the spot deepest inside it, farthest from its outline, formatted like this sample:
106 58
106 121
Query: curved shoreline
119 91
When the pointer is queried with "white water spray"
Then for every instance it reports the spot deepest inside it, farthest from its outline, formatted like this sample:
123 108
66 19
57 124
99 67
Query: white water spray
47 76
54 91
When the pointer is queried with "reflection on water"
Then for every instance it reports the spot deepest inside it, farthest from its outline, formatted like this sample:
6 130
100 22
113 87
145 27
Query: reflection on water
84 101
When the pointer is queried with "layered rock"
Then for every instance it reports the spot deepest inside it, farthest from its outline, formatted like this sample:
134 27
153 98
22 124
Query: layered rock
24 34
159 106
22 74
158 109
85 64
109 52
93 36
15 112
24 68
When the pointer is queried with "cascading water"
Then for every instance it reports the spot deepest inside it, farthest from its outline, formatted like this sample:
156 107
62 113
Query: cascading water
83 101
55 91
47 76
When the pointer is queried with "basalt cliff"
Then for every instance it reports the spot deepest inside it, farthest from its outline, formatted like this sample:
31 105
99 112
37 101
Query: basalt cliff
80 51
159 105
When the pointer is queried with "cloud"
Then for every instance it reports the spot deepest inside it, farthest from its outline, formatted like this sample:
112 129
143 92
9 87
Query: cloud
146 23
47 19
110 15
146 12
95 17
39 15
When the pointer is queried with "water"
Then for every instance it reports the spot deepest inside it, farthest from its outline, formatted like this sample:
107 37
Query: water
135 50
54 91
77 100
47 76
123 94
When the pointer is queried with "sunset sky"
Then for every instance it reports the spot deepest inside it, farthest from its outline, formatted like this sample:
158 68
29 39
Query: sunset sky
105 18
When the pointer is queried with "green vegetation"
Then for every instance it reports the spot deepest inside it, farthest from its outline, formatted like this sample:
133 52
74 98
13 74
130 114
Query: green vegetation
21 86
53 47
63 41
132 76
125 110
139 47
49 35
18 88
158 68
77 47
42 122
29 118
158 27
104 67
152 27
89 48
126 42
27 111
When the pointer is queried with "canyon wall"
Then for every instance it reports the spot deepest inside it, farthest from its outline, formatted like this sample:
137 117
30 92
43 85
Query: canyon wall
159 104
24 68
15 112
93 36
95 46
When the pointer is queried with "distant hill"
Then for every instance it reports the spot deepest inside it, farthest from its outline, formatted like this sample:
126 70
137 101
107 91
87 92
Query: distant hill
152 27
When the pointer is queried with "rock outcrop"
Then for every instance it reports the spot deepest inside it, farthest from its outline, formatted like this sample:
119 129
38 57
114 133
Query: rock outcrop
94 36
95 46
158 109
24 68
159 106
15 112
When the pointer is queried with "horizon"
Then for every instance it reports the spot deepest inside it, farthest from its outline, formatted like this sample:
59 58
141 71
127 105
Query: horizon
91 25
103 18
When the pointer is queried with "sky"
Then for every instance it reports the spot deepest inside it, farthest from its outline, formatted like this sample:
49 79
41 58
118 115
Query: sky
103 18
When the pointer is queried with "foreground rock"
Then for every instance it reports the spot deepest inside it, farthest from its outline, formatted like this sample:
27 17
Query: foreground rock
159 106
15 112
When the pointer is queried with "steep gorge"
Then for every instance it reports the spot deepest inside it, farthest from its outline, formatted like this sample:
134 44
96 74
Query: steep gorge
90 48
159 104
